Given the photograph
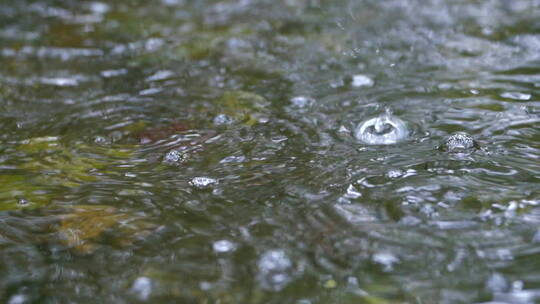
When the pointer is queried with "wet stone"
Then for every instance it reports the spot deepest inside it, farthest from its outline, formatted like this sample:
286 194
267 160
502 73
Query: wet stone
385 129
459 142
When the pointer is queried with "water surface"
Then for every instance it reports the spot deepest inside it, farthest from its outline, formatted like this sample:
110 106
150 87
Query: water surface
182 151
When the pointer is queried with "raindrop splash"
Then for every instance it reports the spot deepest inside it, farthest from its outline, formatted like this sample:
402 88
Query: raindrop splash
385 129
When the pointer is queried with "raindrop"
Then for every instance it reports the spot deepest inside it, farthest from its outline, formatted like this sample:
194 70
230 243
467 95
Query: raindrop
516 95
274 270
362 81
224 246
385 129
458 142
202 182
142 287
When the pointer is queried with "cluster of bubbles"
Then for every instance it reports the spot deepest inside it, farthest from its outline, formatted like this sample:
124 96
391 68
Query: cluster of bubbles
387 129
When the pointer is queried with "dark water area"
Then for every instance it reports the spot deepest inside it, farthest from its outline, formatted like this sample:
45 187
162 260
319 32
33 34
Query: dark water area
295 151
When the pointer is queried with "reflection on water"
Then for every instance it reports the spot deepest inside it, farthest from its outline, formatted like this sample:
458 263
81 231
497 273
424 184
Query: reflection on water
242 151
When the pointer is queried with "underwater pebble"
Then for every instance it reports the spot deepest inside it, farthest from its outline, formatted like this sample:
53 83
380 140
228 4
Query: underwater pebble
458 142
142 287
202 182
385 129
362 81
274 270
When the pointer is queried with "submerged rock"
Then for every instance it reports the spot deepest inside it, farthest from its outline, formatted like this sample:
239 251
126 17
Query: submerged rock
459 142
385 129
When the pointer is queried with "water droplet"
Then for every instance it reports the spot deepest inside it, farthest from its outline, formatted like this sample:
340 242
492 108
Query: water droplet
362 81
224 246
459 142
142 287
385 129
274 270
516 95
100 140
174 157
202 182
302 101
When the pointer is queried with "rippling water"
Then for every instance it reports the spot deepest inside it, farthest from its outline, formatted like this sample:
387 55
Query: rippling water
182 151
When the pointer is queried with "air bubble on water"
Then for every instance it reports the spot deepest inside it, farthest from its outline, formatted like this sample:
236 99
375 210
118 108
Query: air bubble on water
458 142
385 129
202 182
142 288
516 95
275 269
362 81
23 202
222 119
174 157
223 246
302 101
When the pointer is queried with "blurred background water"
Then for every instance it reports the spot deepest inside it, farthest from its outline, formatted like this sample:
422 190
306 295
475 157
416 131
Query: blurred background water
295 151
